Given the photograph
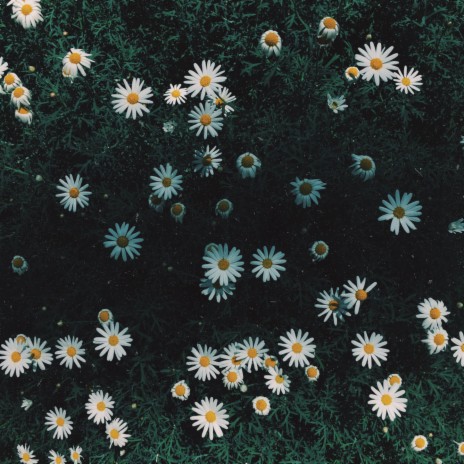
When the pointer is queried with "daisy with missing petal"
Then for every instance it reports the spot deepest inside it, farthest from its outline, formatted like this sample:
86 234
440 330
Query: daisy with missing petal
437 340
56 458
216 290
221 100
223 208
363 167
39 353
175 94
248 164
132 98
328 29
229 359
419 443
74 193
356 293
307 190
20 96
433 312
75 61
277 381
251 353
458 348
205 79
211 417
401 212
207 119
312 373
19 265
369 348
14 357
352 73
11 81
408 81
393 379
268 264
206 161
233 378
75 454
297 348
166 183
332 305
204 362
222 265
100 407
261 405
336 104
116 431
376 62
58 420
180 390
387 399
112 341
124 241
28 13
69 349
319 250
271 43
26 455
156 203
3 66
105 316
178 211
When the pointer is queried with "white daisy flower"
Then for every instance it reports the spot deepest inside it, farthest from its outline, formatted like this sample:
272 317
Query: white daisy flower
124 241
212 290
248 164
24 115
207 119
56 458
15 358
132 98
261 405
204 362
223 208
26 404
458 349
233 378
419 443
297 348
11 81
20 96
456 227
205 79
401 212
28 13
328 29
271 43
277 381
270 362
178 211
319 250
222 265
112 341
393 379
376 62
116 431
166 183
70 350
175 94
19 265
307 190
268 263
352 73
99 407
211 417
356 293
408 81
460 448
437 340
433 312
156 203
251 353
363 167
74 193
336 104
180 390
75 454
3 66
39 353
58 420
369 348
75 61
26 455
221 99
229 359
105 316
206 161
387 399
312 373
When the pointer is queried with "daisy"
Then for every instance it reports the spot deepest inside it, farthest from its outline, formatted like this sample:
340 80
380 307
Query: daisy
20 96
19 265
70 350
336 104
261 405
99 407
356 293
401 212
458 349
270 362
307 190
26 404
229 359
211 417
251 353
204 362
105 316
75 454
277 381
369 348
433 312
175 94
75 61
297 348
180 390
419 443
27 12
26 455
460 448
319 250
271 43
124 241
74 193
156 203
328 29
223 208
206 118
39 353
116 431
437 340
132 99
11 81
112 341
363 167
312 373
393 379
221 99
15 358
233 378
57 420
376 62
408 81
24 115
3 66
268 263
205 79
56 458
248 164
352 73
456 227
386 399
178 211
222 265
166 183
217 290
207 161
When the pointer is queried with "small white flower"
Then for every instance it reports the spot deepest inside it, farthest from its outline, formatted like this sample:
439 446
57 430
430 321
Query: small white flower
437 340
58 420
19 265
26 404
211 417
178 211
125 241
74 193
207 161
319 250
261 405
75 62
221 100
401 212
116 432
212 290
408 82
132 98
207 119
376 62
100 407
268 264
14 357
70 350
205 79
175 95
169 126
277 381
223 208
166 183
419 443
363 167
307 191
297 348
112 341
336 104
352 73
248 164
328 29
180 390
204 362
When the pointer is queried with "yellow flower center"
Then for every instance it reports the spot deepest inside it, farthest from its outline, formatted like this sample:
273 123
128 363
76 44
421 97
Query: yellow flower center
439 339
435 313
223 206
223 264
271 39
462 347
26 457
210 416
122 241
270 362
330 23
26 9
205 81
23 110
114 434
207 160
75 58
461 448
74 192
353 71
312 372
234 361
104 316
333 305
177 209
261 405
219 102
247 161
167 181
267 263
232 376
205 119
133 98
369 348
180 390
252 352
406 81
297 347
155 200
420 442
113 340
101 406
71 351
361 295
365 164
320 249
175 93
36 353
376 63
279 379
16 356
59 421
75 456
306 188
205 361
9 79
386 400
394 379
399 212
18 92
18 262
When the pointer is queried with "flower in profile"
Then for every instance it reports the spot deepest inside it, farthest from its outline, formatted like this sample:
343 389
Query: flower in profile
207 119
363 167
319 250
393 379
19 265
433 312
369 348
24 115
352 73
56 458
261 405
419 443
376 62
312 373
99 407
175 94
75 62
11 81
408 82
15 358
307 190
437 340
216 290
328 29
74 193
116 431
222 99
251 353
223 208
277 381
458 348
180 390
271 43
166 183
20 96
105 316
332 305
336 104
211 417
178 211
297 348
124 241
156 203
205 79
222 265
28 13
268 263
132 98
75 454
401 212
387 399
26 455
204 362
112 341
26 404
356 293
58 420
206 161
248 164
233 378
69 349
39 353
